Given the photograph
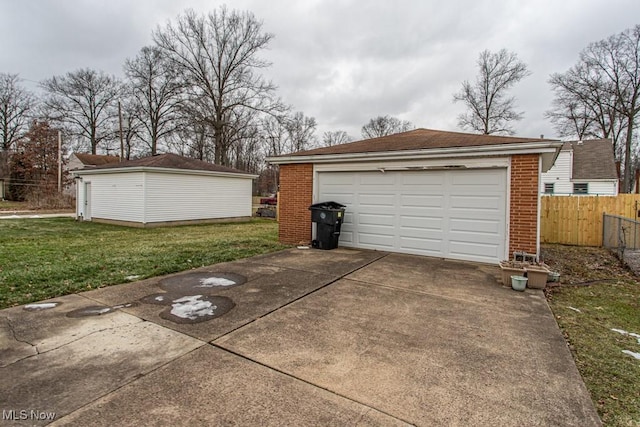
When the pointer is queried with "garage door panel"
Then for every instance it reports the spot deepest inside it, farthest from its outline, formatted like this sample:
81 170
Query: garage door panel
431 247
475 226
422 178
491 203
373 199
457 214
376 219
421 200
478 177
375 240
376 179
477 251
425 223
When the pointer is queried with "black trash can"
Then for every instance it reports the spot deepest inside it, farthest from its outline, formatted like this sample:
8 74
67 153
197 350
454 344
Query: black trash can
328 217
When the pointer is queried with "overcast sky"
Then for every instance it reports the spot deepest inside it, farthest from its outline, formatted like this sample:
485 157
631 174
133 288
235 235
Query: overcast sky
342 62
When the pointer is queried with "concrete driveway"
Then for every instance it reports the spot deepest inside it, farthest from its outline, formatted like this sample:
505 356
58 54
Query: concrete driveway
300 337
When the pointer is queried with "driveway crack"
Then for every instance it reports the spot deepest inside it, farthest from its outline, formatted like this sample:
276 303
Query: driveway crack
15 335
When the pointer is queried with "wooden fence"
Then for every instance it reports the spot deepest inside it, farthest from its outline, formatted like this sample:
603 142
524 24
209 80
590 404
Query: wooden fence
577 220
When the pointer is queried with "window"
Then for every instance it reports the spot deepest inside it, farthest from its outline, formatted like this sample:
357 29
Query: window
580 188
548 188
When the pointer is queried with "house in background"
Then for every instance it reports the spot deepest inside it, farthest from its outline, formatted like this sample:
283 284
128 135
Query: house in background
85 160
425 192
582 168
166 189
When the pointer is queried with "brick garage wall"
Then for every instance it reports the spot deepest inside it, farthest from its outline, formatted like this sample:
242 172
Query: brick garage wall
524 203
296 192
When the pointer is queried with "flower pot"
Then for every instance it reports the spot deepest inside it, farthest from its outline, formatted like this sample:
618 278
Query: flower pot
537 276
553 276
510 269
518 283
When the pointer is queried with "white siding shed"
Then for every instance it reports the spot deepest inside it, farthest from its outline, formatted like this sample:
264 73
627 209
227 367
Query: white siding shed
163 190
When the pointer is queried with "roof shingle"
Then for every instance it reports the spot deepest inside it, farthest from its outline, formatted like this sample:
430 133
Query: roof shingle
418 139
170 161
593 159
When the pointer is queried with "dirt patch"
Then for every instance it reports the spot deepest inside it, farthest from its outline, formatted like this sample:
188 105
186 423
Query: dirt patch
582 264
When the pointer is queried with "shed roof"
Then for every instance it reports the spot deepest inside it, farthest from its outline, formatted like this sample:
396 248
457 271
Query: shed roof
593 159
167 161
96 159
418 139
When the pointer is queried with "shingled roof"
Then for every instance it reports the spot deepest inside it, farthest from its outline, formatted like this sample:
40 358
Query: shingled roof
418 139
96 159
593 159
169 161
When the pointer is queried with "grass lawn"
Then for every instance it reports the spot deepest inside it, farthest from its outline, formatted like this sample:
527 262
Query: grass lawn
587 313
6 205
45 258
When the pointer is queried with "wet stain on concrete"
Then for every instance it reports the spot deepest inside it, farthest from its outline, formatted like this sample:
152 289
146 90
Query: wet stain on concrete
157 299
98 310
41 306
195 308
201 283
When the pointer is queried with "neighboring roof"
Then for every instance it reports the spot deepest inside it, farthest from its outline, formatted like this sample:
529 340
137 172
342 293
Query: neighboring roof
418 139
96 159
167 161
425 144
593 159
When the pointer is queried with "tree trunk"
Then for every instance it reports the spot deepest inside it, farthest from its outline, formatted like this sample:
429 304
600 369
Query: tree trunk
627 157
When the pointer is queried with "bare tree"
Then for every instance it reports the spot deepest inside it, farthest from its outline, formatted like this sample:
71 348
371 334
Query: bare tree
618 58
584 105
217 54
337 137
155 84
385 125
288 133
132 126
301 131
490 110
15 105
84 101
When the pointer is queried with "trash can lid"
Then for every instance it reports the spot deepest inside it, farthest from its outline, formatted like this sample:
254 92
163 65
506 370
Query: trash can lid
326 206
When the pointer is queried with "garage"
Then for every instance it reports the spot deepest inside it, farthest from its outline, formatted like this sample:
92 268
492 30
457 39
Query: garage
425 192
459 214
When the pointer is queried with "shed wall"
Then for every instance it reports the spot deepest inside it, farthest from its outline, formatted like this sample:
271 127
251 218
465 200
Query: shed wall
117 196
176 197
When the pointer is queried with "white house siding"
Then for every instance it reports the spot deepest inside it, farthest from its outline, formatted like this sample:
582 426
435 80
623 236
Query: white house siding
117 196
603 188
182 197
559 174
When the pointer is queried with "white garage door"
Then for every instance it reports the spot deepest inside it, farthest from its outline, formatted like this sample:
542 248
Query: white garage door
457 214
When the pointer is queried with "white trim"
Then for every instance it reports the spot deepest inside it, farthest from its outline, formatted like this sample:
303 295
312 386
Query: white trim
549 148
507 243
538 210
414 164
162 170
498 163
583 181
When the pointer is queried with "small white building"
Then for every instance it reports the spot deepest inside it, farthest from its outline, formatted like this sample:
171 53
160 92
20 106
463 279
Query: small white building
166 189
582 168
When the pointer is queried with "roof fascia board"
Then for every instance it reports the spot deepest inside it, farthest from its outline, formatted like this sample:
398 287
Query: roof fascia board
492 150
81 172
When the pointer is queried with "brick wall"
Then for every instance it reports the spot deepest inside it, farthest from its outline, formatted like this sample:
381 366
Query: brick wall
524 203
296 192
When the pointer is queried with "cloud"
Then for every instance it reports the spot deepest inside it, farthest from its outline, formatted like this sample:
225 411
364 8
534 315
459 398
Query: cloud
339 61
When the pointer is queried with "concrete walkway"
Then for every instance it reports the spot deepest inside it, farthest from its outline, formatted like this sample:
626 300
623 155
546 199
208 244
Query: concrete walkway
300 337
35 215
